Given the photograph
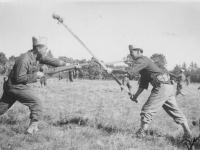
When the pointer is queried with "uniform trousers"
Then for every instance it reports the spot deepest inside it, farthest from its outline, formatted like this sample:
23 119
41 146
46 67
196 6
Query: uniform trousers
26 96
162 97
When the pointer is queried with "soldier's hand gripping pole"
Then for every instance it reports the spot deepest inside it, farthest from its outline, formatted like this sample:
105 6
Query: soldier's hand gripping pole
60 20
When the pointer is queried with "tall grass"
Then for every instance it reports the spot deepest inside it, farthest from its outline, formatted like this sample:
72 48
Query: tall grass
94 115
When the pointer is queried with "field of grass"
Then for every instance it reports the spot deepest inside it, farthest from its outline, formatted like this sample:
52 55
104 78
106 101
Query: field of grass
94 115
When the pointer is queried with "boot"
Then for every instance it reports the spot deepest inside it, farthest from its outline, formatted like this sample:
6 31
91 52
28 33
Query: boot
187 133
142 131
33 127
187 136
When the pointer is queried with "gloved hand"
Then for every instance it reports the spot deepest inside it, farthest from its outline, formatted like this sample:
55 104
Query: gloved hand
40 75
109 70
133 98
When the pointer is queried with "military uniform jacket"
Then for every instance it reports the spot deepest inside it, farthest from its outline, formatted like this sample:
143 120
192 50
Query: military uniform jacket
25 69
146 68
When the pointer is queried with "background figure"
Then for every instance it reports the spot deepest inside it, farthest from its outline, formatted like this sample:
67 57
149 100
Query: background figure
60 77
71 72
43 80
181 78
126 82
188 80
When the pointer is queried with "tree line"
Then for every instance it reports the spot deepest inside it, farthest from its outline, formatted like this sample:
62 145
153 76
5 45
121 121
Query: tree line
97 72
192 71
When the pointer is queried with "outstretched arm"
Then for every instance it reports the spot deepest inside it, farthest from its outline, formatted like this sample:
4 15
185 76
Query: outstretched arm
52 62
139 65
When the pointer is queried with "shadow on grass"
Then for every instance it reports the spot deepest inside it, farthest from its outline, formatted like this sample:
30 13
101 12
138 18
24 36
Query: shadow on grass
112 129
77 121
85 122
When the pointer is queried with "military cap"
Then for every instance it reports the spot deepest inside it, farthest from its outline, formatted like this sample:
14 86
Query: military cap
132 47
39 40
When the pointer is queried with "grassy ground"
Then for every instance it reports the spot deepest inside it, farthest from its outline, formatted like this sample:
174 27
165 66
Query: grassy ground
94 115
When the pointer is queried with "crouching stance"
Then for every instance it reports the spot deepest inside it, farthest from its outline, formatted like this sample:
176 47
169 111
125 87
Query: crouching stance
23 73
162 94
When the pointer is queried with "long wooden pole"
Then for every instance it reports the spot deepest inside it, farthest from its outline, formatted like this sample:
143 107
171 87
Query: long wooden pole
60 20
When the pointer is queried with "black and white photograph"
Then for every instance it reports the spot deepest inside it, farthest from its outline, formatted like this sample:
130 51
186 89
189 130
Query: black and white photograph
99 75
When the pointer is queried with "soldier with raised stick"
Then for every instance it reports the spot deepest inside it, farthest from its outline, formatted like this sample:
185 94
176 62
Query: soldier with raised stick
162 94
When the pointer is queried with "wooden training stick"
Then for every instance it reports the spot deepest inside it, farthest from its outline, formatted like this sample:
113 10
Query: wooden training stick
60 20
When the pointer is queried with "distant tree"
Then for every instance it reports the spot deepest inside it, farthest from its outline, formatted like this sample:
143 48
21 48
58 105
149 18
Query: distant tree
184 66
195 66
192 66
3 59
95 72
66 59
176 70
12 58
160 61
8 67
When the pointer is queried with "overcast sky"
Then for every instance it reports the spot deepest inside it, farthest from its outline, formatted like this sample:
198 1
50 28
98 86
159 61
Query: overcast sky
106 28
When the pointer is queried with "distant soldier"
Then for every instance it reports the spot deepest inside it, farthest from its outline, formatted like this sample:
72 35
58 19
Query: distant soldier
71 75
60 77
76 73
162 94
126 82
188 80
180 79
43 80
24 72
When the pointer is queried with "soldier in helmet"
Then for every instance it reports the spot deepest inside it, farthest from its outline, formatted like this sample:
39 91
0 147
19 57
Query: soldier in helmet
24 72
162 94
180 79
